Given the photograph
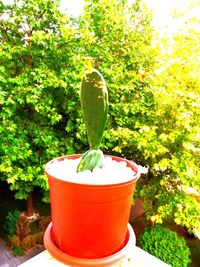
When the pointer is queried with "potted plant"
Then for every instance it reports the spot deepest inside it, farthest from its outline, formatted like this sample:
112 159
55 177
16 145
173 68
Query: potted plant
91 194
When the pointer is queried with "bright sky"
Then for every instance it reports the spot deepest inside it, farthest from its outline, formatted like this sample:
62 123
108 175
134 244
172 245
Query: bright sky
164 10
74 7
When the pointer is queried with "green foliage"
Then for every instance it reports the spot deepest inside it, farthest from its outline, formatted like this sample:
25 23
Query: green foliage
118 41
165 245
42 59
18 251
11 220
171 146
38 91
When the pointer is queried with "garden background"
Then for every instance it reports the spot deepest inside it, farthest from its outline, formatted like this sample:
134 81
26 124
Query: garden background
154 91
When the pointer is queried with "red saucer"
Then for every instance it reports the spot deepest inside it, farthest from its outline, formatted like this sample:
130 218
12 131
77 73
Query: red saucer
80 262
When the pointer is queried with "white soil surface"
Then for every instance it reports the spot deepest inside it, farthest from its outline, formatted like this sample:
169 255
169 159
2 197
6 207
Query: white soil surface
112 172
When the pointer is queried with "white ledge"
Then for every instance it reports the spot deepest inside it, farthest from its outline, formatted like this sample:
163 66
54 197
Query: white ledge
137 258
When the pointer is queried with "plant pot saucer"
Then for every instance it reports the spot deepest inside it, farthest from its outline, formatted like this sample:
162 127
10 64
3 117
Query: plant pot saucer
80 262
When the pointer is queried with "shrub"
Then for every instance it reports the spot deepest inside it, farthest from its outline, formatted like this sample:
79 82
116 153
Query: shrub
28 242
33 227
14 241
32 240
10 222
165 245
22 227
39 237
43 222
18 251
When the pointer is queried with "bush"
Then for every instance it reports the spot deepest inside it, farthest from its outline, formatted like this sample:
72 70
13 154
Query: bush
10 222
14 241
39 237
44 222
32 240
22 227
28 242
165 245
18 251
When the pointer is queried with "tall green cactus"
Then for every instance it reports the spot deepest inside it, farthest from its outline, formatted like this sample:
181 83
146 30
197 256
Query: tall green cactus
94 103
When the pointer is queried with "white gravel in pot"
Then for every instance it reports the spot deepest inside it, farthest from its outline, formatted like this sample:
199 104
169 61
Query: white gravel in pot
113 172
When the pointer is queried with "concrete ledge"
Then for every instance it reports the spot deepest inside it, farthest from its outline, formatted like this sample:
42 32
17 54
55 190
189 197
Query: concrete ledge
137 258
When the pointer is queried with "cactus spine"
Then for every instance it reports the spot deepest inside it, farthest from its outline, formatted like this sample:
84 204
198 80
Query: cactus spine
94 103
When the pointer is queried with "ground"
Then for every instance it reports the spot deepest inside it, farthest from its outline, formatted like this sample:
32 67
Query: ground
7 259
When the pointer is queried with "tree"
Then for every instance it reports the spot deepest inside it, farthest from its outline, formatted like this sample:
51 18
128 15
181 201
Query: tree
37 57
171 147
153 118
42 57
117 37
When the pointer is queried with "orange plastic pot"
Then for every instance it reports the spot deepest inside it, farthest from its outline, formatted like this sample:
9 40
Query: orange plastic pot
90 221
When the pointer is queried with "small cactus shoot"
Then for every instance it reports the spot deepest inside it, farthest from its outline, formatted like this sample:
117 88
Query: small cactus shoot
94 103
